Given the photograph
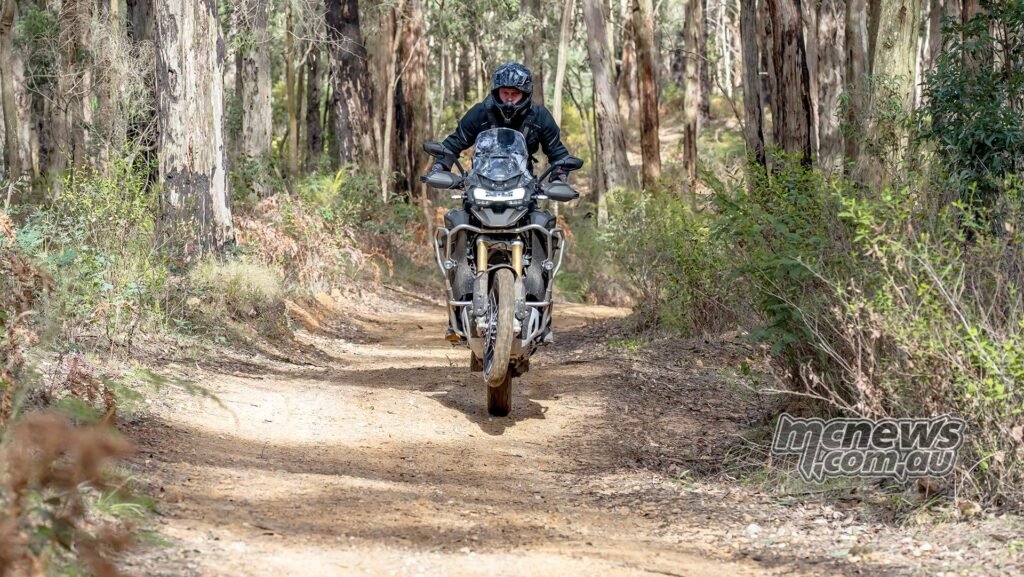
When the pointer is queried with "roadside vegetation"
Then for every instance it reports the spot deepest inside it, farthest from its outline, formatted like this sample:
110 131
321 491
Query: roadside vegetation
897 296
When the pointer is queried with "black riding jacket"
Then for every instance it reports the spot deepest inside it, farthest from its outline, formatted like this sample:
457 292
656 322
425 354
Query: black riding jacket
536 124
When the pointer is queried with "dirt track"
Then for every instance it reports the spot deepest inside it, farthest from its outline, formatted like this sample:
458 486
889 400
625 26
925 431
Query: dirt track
385 463
369 452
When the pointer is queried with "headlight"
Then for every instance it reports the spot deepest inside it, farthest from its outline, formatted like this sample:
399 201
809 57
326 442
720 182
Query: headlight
499 195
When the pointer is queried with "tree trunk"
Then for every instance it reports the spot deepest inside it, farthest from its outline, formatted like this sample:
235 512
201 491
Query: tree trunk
291 100
445 74
611 139
968 10
892 46
937 10
564 33
465 67
677 62
140 20
300 114
691 94
831 69
314 136
753 128
769 91
416 121
28 123
627 79
597 168
793 121
737 48
643 26
390 32
70 97
331 138
533 48
351 97
479 72
8 106
809 16
701 52
253 84
896 54
195 200
858 68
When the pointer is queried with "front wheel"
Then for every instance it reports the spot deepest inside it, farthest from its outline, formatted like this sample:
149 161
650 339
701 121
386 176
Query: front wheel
498 341
499 398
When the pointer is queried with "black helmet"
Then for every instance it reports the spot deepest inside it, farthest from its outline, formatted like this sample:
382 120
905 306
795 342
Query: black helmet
512 75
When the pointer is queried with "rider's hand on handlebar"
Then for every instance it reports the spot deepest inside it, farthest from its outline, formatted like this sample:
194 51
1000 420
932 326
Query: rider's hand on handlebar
559 175
438 167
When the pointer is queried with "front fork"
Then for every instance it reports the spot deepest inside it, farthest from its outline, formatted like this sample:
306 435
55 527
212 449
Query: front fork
481 288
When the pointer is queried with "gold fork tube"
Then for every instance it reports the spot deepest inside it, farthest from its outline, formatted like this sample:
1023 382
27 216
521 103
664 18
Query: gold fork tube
481 256
517 257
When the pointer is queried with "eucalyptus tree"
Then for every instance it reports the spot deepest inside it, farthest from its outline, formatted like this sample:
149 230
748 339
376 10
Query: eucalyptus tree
195 199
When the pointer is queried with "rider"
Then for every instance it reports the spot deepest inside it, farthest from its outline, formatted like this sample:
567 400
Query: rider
508 106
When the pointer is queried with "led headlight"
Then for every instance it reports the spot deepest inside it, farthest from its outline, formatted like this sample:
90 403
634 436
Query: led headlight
512 194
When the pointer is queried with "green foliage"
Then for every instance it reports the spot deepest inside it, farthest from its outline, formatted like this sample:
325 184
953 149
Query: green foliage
664 249
974 102
252 178
876 303
98 238
949 315
354 199
784 226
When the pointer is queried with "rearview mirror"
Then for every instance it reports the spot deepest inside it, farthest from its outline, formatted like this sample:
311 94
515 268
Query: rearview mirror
560 192
443 180
435 149
570 163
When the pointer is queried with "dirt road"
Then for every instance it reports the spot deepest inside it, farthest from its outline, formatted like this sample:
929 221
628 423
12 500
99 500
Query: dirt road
383 461
369 452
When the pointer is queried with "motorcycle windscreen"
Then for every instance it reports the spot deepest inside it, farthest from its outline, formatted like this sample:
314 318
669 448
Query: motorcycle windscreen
500 154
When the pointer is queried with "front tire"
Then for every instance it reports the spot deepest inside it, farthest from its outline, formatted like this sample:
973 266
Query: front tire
499 398
498 342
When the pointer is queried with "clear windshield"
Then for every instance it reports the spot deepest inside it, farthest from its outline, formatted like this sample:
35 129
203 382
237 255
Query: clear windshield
500 154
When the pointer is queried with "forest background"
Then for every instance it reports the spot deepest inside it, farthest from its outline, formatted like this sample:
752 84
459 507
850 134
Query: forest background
840 179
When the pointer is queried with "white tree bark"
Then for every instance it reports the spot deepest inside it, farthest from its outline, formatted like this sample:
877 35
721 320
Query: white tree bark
612 142
196 215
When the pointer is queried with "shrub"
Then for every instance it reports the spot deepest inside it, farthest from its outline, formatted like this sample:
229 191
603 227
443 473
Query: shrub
22 284
53 472
224 294
877 304
98 237
677 271
785 227
945 321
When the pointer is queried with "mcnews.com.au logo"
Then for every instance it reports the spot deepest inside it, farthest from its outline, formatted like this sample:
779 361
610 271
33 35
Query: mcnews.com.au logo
896 448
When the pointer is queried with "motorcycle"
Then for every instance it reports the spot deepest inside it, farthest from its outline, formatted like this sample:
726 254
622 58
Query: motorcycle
499 255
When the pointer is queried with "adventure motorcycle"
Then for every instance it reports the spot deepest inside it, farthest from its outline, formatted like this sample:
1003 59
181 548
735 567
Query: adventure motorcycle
499 255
